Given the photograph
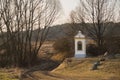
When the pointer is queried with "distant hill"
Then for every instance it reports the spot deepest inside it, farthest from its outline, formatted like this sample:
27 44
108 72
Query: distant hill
69 29
59 31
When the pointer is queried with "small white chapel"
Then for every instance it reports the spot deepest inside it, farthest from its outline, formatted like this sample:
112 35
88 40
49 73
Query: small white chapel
80 45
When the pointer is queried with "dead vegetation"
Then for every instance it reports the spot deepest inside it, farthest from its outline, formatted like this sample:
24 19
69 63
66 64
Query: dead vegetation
79 69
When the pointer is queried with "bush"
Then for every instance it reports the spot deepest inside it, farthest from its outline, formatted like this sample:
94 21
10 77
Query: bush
64 45
93 50
17 56
113 45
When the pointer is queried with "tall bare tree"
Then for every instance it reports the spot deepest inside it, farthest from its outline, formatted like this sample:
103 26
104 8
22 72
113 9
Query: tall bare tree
18 21
95 17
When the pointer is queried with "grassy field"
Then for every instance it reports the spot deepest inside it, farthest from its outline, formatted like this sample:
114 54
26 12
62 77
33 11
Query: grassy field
79 69
9 74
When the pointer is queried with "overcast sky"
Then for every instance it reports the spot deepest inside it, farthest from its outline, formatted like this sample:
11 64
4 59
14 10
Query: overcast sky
67 7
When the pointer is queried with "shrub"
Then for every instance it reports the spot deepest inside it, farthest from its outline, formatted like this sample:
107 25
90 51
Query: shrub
113 45
17 56
93 50
64 45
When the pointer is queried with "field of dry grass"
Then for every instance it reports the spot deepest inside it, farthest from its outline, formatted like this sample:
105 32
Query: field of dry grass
10 74
79 69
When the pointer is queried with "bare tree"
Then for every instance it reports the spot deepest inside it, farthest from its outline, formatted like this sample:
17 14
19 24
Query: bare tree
95 17
18 21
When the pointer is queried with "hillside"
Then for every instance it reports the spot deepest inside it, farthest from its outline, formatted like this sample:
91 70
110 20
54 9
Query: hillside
63 30
59 31
80 69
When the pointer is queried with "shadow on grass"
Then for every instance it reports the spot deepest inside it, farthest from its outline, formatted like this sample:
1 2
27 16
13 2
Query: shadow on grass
45 65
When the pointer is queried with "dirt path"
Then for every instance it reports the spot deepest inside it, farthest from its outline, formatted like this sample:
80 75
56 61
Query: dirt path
42 75
46 75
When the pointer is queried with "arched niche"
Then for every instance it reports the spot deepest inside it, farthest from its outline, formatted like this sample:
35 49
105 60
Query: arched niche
79 45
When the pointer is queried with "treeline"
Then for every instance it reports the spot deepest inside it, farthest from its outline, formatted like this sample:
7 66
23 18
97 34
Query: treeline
71 29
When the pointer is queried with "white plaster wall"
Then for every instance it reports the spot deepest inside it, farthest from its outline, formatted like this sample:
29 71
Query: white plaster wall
80 53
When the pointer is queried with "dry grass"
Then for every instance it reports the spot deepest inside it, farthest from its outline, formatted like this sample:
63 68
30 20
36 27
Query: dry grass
80 70
9 74
58 56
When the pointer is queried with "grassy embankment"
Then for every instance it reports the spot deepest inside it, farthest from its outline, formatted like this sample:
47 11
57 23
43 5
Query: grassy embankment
80 69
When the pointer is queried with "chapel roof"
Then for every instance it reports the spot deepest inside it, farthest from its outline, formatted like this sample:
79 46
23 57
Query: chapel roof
79 35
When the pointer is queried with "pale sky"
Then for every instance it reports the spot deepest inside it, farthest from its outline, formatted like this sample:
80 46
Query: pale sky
67 6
